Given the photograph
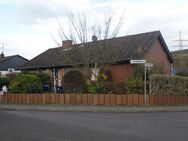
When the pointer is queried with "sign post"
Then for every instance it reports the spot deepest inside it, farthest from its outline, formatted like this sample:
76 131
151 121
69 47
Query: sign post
149 65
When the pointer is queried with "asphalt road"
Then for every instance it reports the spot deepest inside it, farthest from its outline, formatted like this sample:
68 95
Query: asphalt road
72 126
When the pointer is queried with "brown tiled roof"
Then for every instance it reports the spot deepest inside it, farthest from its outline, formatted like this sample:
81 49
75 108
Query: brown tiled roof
109 51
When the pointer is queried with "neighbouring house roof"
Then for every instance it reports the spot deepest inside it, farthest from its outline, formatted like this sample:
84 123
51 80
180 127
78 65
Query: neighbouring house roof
13 61
114 50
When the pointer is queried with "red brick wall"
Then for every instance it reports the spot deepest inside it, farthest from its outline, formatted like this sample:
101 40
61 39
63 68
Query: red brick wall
120 72
158 57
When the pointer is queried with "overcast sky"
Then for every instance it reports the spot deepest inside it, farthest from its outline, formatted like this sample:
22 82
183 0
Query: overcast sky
26 25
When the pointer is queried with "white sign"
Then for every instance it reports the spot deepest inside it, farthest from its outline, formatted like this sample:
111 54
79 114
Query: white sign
149 65
137 61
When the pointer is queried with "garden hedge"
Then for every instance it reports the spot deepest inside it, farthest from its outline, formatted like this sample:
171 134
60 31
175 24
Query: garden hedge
168 85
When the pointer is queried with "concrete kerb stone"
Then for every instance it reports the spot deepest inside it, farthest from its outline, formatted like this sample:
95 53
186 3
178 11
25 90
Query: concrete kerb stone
94 108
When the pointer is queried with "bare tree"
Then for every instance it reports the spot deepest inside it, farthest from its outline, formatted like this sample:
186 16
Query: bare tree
85 36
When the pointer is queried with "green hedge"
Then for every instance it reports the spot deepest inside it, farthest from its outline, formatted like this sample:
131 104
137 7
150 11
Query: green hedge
26 83
168 85
74 82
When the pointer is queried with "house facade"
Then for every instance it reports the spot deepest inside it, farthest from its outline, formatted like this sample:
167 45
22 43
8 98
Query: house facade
9 64
115 53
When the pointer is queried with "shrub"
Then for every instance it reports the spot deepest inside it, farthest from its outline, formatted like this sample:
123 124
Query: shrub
168 85
26 83
95 87
45 78
135 85
74 82
185 74
4 81
115 88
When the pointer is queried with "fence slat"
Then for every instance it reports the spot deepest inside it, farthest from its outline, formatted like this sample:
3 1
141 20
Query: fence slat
73 99
57 98
84 99
151 99
118 99
95 99
101 99
67 98
62 99
124 99
135 99
107 99
130 99
79 99
112 99
141 99
90 99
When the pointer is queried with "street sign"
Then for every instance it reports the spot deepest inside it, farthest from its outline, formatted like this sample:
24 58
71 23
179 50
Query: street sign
150 65
137 61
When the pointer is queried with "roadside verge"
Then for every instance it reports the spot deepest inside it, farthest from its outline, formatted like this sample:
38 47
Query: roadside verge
94 108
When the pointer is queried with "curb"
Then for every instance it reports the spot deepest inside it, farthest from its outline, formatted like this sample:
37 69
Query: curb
94 108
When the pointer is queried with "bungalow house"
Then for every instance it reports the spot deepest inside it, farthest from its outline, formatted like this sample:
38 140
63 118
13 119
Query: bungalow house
116 53
9 64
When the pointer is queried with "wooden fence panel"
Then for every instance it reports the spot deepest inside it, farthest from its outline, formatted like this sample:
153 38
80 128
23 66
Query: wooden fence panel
180 99
101 99
8 98
39 99
165 101
118 100
44 99
141 99
79 99
84 99
67 98
62 99
174 99
135 99
73 99
156 99
95 99
130 99
124 100
57 98
52 98
107 99
169 100
90 99
112 99
185 100
151 99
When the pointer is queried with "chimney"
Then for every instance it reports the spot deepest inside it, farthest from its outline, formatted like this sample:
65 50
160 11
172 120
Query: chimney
2 55
94 38
67 44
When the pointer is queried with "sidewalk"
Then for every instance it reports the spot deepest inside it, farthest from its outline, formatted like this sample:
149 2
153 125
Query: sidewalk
94 108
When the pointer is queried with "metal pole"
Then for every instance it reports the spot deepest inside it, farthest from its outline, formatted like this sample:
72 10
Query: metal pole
145 97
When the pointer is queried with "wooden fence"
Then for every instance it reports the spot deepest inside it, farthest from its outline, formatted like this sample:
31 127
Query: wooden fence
92 99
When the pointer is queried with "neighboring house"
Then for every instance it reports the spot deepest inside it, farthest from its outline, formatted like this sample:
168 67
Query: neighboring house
180 61
116 53
9 64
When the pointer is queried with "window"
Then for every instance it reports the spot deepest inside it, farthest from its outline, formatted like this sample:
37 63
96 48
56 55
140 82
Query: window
94 73
10 70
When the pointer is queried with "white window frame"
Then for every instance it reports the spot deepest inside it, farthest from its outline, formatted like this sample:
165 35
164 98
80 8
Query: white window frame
94 73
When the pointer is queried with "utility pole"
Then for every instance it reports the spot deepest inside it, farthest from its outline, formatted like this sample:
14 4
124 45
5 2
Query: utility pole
181 46
181 41
2 48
